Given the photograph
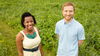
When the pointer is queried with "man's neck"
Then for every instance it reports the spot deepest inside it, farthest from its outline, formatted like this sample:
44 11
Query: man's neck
67 21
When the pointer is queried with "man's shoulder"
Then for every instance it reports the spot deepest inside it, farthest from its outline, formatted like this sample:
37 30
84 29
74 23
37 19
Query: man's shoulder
60 22
78 24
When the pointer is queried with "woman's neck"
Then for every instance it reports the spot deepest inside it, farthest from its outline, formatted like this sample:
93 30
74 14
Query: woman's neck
28 31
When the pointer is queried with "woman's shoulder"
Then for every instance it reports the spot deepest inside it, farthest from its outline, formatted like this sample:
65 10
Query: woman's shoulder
19 35
36 29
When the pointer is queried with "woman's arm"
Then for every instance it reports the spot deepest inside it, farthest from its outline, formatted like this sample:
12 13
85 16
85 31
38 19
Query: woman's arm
19 44
41 50
40 45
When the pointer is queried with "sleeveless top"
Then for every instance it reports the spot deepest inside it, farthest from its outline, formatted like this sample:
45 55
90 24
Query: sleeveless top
31 43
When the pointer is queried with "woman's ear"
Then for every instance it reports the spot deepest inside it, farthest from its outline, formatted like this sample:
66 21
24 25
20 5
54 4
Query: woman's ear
24 24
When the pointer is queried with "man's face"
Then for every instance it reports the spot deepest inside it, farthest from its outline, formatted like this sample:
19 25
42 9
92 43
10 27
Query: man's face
68 12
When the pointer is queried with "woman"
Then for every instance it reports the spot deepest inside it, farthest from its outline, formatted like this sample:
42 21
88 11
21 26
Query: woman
28 40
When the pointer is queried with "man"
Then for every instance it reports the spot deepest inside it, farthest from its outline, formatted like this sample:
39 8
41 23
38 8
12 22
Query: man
69 31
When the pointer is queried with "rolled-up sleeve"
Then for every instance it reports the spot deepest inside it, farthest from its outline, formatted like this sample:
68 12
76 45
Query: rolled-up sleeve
81 34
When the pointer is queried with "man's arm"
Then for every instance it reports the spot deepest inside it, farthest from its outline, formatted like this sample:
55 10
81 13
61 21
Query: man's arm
56 36
80 42
81 36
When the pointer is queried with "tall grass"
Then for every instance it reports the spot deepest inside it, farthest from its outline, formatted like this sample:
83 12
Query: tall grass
47 13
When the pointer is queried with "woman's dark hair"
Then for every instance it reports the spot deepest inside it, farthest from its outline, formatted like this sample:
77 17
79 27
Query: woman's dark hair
26 14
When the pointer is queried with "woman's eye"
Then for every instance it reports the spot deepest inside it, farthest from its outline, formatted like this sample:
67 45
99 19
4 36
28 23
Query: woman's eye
27 22
31 21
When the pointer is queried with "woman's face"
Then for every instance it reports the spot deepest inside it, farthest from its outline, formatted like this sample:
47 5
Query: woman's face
28 22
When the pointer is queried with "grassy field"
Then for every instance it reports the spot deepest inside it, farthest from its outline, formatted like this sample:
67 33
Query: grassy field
47 13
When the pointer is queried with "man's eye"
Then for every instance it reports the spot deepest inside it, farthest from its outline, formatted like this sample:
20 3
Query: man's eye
70 11
66 11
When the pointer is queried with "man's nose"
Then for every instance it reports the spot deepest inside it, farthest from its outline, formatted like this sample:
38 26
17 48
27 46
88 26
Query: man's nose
68 13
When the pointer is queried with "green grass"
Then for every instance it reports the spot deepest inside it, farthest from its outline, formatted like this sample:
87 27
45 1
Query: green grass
47 13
